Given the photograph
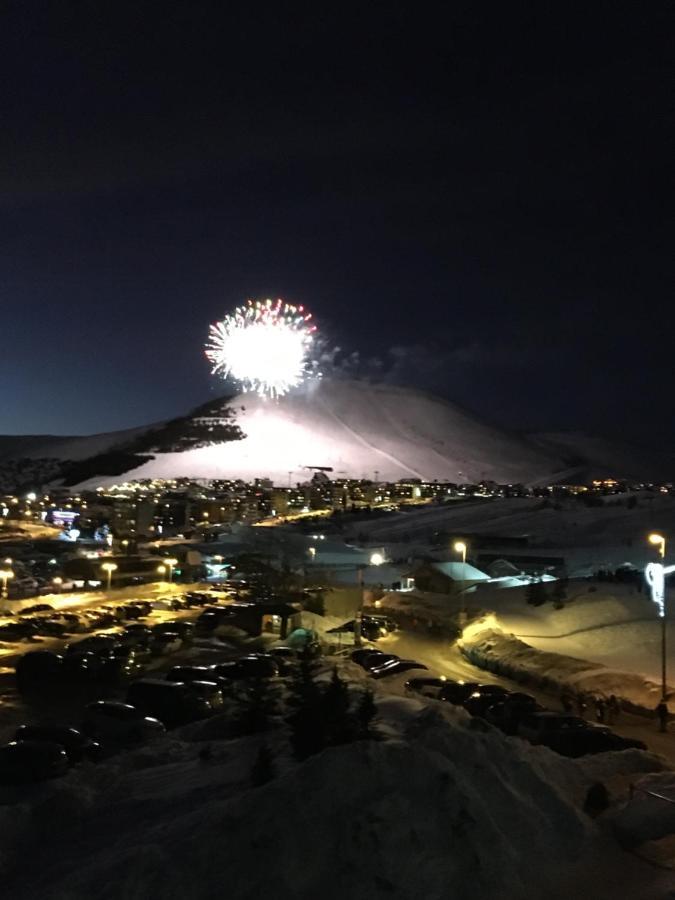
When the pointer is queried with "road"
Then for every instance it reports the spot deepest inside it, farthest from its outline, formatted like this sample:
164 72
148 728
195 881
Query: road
444 658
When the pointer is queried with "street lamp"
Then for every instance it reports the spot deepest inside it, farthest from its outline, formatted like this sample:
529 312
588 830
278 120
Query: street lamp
170 563
661 541
376 559
5 575
655 573
460 547
57 582
109 568
161 570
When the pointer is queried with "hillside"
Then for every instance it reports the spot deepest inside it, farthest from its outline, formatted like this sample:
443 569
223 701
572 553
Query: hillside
357 430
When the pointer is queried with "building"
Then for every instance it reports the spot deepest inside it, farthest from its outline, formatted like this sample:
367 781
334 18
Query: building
446 577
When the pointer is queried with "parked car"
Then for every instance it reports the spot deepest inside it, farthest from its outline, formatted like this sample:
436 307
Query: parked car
376 659
209 691
360 655
478 703
253 666
136 635
458 692
165 642
189 673
566 734
97 643
38 668
183 628
507 713
22 761
426 687
119 722
78 746
169 701
395 667
38 608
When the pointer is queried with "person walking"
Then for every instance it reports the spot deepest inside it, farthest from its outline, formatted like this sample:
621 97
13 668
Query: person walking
613 709
600 710
662 713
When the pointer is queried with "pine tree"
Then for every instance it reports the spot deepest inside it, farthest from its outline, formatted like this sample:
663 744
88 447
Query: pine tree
365 713
560 592
263 769
536 593
339 722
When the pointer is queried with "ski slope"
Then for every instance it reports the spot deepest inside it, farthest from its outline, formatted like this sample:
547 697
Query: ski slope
358 430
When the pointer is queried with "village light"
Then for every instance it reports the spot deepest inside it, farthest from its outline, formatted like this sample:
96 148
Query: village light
376 559
170 563
5 575
161 570
655 574
661 541
460 547
109 568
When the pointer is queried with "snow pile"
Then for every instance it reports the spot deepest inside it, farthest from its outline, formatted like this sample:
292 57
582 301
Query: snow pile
487 646
650 812
440 809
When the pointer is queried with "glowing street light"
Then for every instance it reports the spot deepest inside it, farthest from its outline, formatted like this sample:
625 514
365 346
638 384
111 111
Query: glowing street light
109 568
661 541
170 563
460 547
162 571
376 559
57 581
655 573
5 576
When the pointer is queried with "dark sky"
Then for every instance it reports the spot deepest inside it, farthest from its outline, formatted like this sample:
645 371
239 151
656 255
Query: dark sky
479 195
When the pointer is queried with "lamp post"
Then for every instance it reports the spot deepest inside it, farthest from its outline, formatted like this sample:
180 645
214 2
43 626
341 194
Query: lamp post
162 571
460 547
5 575
170 563
655 573
109 568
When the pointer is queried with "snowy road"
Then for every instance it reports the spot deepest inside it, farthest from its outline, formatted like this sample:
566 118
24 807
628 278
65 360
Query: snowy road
443 658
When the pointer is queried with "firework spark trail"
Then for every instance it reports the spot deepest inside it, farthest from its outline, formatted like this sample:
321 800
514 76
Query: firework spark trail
265 345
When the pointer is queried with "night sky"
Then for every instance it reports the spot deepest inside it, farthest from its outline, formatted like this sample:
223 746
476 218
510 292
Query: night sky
477 198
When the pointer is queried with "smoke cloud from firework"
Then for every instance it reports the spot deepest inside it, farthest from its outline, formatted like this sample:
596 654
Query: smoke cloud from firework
265 345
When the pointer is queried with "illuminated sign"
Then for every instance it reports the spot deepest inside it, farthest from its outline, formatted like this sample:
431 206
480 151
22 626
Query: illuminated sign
655 573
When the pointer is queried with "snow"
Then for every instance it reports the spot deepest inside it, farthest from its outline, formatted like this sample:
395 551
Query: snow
490 648
606 623
356 429
439 809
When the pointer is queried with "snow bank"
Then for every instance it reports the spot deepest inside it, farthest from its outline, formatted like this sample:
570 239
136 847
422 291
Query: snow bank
487 646
441 809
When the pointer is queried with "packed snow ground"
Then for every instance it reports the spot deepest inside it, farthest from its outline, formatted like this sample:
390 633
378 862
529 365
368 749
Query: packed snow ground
444 806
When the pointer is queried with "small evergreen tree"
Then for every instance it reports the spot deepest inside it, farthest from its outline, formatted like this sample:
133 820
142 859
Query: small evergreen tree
560 592
365 713
536 593
263 769
339 722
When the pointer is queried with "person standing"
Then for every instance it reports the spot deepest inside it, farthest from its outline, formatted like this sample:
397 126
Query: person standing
613 709
662 713
600 710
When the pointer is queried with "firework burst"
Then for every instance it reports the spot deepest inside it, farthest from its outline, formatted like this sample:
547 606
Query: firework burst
265 345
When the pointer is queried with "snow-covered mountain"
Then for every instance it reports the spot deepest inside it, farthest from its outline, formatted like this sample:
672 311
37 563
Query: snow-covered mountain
355 428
